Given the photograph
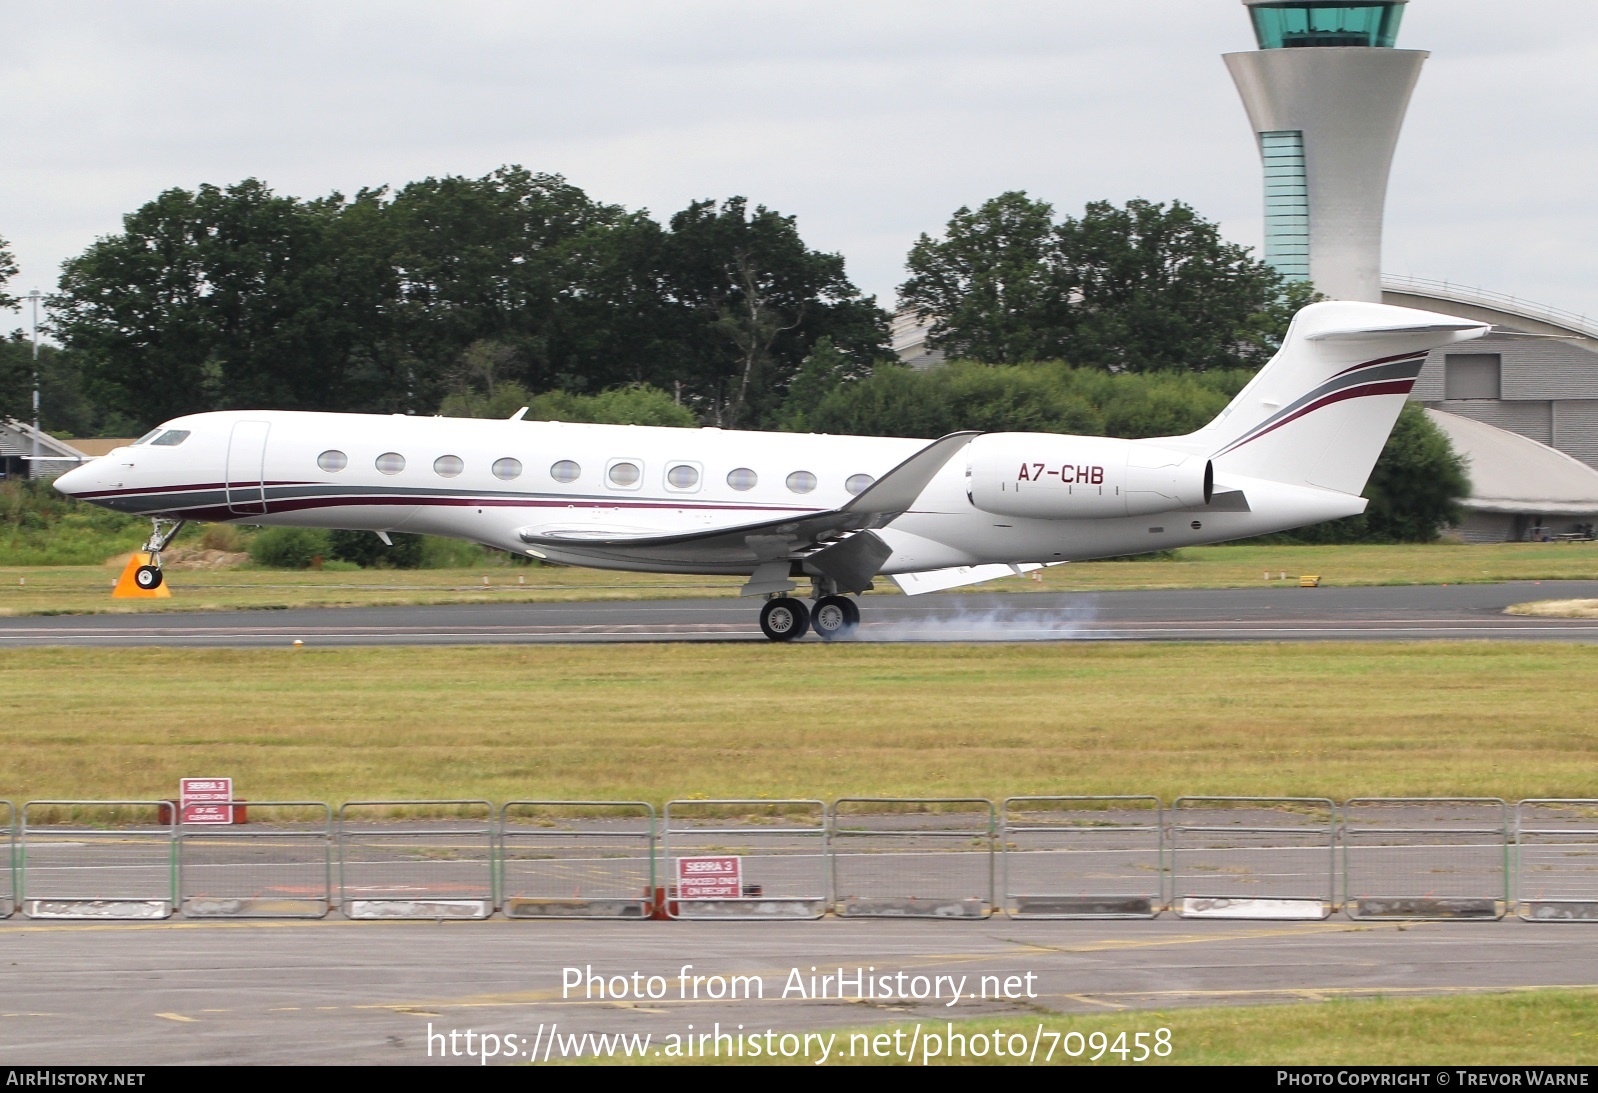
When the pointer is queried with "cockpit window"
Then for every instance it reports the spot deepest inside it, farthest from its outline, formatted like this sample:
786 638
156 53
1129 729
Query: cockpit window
146 438
170 439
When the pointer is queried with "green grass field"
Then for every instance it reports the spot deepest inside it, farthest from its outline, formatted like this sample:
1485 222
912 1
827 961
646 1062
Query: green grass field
1526 1028
33 590
658 721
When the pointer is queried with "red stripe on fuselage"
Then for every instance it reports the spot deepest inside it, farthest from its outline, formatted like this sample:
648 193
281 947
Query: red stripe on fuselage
187 489
273 507
1380 360
1385 387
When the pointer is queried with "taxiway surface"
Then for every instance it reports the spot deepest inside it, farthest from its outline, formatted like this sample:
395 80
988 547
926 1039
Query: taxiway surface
363 993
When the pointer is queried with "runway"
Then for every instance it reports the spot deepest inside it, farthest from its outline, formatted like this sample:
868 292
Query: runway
1409 613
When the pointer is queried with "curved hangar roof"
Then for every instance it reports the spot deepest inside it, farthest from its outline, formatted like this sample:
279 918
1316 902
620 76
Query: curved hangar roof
1514 474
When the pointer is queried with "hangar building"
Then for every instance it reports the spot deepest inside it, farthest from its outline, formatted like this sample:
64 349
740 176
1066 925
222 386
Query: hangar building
1520 489
29 453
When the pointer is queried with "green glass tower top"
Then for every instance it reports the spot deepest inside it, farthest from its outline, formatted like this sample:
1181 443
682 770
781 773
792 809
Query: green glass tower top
1287 24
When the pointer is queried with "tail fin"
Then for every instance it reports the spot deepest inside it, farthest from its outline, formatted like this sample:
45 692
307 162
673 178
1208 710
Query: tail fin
1320 412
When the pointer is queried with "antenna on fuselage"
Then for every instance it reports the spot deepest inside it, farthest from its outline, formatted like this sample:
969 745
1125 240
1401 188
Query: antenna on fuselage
519 414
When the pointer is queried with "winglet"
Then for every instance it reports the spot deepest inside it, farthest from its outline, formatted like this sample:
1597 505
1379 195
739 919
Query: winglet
897 490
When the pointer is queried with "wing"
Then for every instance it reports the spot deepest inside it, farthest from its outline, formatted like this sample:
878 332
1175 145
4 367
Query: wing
766 548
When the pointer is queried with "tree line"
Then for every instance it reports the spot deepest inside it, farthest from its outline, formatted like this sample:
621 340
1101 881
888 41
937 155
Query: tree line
452 288
391 301
476 296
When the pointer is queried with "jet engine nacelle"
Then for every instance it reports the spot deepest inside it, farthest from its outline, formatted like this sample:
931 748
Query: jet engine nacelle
1046 476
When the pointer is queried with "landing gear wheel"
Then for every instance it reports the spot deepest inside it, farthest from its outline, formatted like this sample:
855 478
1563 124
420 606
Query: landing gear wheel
835 617
147 577
784 619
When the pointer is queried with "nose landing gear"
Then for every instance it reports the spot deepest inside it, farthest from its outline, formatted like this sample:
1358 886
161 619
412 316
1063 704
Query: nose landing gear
162 532
142 577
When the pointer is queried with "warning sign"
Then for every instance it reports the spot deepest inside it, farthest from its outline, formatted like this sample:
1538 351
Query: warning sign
719 877
205 800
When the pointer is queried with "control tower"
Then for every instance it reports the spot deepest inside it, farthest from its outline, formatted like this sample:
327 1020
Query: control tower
1326 93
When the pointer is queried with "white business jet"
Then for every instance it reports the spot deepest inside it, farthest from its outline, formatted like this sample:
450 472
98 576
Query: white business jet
1295 447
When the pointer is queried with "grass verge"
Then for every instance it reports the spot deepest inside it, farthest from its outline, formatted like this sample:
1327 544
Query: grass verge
35 590
85 590
1557 609
651 722
1519 1028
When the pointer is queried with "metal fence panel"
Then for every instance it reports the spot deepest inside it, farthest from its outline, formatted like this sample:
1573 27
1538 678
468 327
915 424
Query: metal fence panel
1556 860
1081 857
1253 857
1425 858
779 849
8 874
912 857
577 859
97 859
438 865
274 861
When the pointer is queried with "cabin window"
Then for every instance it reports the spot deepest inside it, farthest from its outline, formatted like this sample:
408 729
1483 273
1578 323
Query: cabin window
801 481
448 466
507 469
565 471
624 474
332 460
857 483
170 439
390 463
682 476
742 479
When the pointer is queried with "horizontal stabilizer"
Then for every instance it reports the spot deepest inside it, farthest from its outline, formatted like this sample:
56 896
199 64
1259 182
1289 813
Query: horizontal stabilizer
1371 334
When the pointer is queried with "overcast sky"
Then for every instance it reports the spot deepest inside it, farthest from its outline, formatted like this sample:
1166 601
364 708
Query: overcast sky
869 120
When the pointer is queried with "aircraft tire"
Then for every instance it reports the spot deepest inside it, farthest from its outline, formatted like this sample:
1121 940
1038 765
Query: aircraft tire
147 577
834 617
784 619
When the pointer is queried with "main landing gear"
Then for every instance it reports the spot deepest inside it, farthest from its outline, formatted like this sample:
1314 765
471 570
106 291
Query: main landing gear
834 617
162 532
784 618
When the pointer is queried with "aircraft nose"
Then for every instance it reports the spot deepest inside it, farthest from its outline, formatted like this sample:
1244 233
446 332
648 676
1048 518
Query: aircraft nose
74 482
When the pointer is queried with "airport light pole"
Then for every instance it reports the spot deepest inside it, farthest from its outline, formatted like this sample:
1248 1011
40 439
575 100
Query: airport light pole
33 298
